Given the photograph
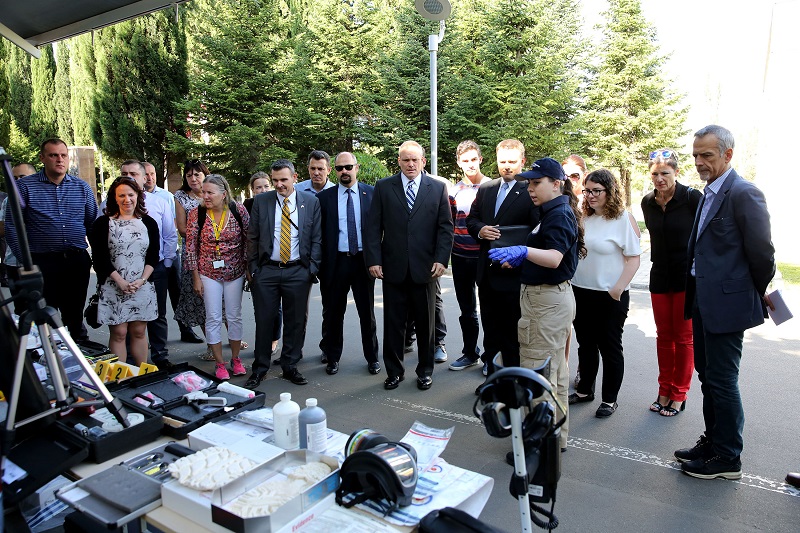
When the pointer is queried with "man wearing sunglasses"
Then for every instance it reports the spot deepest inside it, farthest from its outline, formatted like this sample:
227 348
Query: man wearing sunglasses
344 214
319 167
59 210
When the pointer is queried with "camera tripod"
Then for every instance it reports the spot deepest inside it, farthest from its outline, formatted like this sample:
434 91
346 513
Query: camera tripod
27 293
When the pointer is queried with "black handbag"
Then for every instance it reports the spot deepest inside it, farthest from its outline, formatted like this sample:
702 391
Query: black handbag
90 313
511 236
451 520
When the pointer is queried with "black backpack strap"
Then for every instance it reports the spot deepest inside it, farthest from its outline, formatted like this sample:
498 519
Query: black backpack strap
202 212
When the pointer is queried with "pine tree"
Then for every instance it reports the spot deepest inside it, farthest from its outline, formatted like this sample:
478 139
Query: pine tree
631 108
5 97
82 88
43 123
18 72
61 99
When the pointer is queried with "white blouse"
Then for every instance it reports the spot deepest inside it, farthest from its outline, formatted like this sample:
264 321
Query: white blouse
607 244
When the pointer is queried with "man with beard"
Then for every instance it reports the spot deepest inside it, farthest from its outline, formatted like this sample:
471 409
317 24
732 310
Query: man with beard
344 213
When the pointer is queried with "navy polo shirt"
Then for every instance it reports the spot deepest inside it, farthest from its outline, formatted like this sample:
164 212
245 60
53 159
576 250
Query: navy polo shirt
557 230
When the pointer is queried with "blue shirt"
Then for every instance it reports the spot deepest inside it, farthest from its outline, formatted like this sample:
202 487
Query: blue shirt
57 217
557 230
306 186
344 245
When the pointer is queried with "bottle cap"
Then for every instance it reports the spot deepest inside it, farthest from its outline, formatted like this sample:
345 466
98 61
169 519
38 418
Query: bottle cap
311 402
286 396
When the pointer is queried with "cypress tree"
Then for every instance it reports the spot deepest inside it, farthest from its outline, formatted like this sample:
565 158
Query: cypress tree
43 123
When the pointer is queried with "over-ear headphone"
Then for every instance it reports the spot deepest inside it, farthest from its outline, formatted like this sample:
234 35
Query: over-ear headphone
513 388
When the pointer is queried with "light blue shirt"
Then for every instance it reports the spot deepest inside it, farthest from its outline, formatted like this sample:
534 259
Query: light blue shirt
276 238
344 245
709 192
416 181
307 186
166 195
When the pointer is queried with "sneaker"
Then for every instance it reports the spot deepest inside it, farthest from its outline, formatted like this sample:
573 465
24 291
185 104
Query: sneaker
605 410
713 467
221 372
485 369
462 362
702 449
237 367
440 355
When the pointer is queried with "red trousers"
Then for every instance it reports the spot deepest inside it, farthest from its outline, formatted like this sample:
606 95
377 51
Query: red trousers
674 345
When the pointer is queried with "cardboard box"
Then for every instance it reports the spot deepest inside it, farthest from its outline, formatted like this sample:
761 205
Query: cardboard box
194 505
213 434
291 511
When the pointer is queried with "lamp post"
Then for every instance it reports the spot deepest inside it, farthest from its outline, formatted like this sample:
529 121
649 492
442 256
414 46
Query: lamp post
434 10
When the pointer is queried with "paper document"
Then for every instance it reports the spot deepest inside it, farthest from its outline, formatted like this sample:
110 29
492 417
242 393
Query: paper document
781 313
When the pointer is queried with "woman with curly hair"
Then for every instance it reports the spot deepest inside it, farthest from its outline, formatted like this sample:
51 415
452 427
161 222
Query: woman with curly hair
601 286
125 246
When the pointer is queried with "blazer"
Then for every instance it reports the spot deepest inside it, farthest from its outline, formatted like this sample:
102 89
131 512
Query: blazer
261 231
734 259
517 209
329 205
404 241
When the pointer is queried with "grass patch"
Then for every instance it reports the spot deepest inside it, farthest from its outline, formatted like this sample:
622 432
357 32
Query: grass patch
790 273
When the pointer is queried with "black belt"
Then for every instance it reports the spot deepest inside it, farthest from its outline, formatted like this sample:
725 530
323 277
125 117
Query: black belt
61 254
348 254
281 264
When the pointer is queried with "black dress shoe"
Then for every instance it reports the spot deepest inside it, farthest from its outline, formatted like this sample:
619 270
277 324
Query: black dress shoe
392 382
295 377
164 364
793 479
408 348
424 383
190 336
324 359
332 368
374 368
254 379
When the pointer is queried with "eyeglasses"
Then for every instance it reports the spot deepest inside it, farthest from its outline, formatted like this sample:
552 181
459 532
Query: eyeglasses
594 192
339 168
666 154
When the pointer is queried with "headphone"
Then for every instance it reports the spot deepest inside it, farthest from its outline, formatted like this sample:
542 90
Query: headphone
514 388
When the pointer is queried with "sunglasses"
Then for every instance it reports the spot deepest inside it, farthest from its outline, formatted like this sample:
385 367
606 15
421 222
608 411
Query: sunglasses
575 176
666 154
339 168
192 162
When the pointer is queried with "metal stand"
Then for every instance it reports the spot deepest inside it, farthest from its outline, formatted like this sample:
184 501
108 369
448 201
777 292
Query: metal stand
520 468
29 291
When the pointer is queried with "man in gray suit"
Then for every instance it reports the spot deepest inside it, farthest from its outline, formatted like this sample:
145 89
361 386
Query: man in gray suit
284 251
731 262
407 245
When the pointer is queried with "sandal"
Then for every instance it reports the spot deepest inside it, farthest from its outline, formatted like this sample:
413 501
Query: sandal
243 345
668 410
657 407
208 356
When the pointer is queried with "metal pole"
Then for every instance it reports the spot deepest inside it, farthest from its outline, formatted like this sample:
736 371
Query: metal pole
433 46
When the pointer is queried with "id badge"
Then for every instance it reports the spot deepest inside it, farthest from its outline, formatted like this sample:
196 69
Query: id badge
218 264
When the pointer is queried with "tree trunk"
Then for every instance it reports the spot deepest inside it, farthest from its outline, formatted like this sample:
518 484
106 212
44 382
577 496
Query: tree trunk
625 182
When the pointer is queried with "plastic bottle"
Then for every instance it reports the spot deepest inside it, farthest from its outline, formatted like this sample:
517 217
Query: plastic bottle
313 427
285 422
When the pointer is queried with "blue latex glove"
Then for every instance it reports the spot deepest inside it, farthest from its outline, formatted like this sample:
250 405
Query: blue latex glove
513 255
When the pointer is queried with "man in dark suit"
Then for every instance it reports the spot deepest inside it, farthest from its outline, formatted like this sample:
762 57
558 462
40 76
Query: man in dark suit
731 262
408 242
344 214
284 251
500 202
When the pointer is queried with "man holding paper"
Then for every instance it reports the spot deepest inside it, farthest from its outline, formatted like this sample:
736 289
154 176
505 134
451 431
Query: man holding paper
731 261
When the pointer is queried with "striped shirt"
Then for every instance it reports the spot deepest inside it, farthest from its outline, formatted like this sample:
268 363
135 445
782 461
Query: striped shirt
57 217
462 195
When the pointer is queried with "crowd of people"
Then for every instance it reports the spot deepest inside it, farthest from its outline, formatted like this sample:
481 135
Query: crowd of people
542 250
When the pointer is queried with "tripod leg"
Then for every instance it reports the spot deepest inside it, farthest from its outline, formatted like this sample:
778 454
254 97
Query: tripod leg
519 466
57 374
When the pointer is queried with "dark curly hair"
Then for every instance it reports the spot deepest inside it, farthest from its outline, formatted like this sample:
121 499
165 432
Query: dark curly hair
192 164
615 205
112 207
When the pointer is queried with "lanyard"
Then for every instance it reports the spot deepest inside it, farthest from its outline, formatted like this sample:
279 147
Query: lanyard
218 227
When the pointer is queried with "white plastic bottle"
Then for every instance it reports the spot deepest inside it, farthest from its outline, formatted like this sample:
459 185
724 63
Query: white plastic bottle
285 421
313 427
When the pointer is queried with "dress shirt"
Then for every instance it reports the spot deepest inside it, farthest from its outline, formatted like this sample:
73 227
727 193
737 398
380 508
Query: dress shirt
344 245
306 186
416 181
166 195
276 237
57 217
709 193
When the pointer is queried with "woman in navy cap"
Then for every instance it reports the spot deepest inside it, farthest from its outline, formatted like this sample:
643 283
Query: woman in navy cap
548 261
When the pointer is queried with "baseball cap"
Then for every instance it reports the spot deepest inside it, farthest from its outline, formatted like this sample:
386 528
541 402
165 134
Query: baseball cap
545 167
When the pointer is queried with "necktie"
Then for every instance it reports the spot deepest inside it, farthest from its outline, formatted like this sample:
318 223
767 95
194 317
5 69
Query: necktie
286 233
352 235
501 196
410 196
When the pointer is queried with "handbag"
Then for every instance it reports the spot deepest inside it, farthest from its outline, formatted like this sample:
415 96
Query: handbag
90 313
451 520
511 236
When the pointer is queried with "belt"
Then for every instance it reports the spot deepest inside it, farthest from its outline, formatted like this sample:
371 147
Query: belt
63 253
281 264
348 254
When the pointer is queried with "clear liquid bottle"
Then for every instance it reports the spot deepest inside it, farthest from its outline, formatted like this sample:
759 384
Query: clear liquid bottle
285 422
313 427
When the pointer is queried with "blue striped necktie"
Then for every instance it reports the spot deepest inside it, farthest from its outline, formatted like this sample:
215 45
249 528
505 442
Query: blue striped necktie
410 196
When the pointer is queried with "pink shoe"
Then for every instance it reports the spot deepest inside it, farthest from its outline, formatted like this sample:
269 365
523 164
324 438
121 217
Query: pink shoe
221 372
237 367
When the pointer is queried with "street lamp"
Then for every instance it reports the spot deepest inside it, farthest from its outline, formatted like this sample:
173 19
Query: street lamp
434 10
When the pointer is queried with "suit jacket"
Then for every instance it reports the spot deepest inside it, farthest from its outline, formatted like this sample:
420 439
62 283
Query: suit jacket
404 241
261 231
329 205
734 259
517 209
